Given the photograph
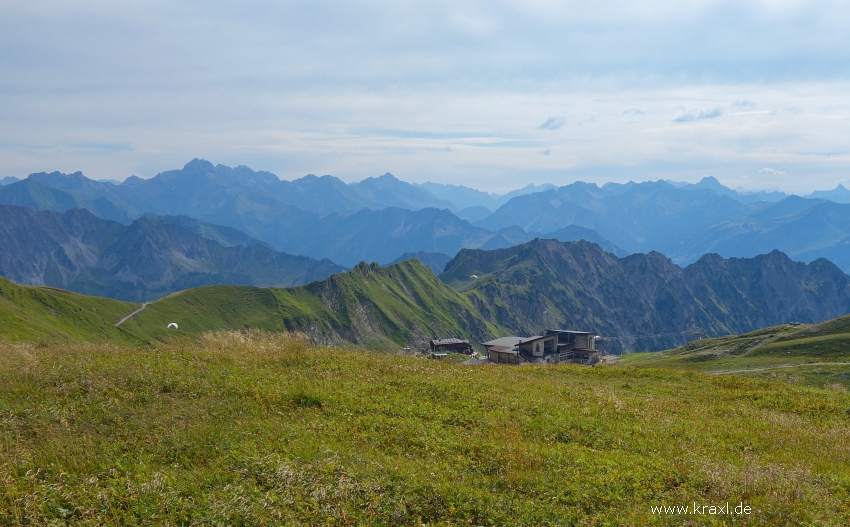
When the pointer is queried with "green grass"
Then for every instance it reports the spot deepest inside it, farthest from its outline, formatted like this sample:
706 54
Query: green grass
47 314
249 428
818 355
383 308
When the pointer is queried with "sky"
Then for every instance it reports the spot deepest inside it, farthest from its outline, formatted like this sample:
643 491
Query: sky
491 94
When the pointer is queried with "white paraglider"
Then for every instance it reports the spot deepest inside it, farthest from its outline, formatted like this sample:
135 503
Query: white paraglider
172 325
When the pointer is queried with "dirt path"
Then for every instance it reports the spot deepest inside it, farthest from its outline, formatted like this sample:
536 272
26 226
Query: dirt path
724 372
134 313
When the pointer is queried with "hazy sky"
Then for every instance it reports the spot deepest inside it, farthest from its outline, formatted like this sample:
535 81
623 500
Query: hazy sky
491 94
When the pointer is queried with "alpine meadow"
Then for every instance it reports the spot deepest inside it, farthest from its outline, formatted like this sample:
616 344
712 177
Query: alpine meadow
560 263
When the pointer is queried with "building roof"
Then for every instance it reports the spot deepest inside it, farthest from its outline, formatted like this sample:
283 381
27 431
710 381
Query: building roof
500 348
443 342
553 331
504 341
537 337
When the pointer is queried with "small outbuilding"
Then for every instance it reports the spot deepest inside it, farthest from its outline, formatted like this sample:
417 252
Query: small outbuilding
450 345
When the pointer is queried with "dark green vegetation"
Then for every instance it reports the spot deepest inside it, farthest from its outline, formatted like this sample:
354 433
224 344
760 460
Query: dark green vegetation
546 284
142 261
252 429
816 355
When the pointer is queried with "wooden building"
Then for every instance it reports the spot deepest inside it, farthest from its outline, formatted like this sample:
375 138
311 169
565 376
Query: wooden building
503 350
556 346
450 345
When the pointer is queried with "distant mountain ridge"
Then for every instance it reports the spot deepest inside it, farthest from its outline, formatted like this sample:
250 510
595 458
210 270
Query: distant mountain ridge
200 187
681 220
467 198
643 301
686 224
147 259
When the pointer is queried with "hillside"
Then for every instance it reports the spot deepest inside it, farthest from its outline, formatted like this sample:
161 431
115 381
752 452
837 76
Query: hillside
641 302
380 307
644 301
383 308
45 314
244 428
225 236
142 261
816 354
436 261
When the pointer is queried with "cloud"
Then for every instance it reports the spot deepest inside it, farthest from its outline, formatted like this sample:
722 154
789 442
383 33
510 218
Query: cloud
745 104
771 171
104 147
696 115
546 152
553 123
358 88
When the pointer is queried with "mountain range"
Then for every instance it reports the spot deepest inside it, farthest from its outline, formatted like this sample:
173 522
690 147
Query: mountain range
382 218
643 301
344 223
685 224
640 302
149 258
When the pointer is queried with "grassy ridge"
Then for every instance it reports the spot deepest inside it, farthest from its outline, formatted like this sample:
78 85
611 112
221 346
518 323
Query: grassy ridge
250 428
48 314
812 354
381 307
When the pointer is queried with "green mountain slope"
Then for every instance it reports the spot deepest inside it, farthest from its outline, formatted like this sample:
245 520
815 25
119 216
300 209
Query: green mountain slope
436 261
815 354
44 313
381 307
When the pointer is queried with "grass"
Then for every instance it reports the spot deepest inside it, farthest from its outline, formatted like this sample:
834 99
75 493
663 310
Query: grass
382 308
48 314
817 355
251 428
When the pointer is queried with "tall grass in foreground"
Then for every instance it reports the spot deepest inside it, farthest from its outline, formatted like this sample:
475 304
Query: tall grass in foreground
259 429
